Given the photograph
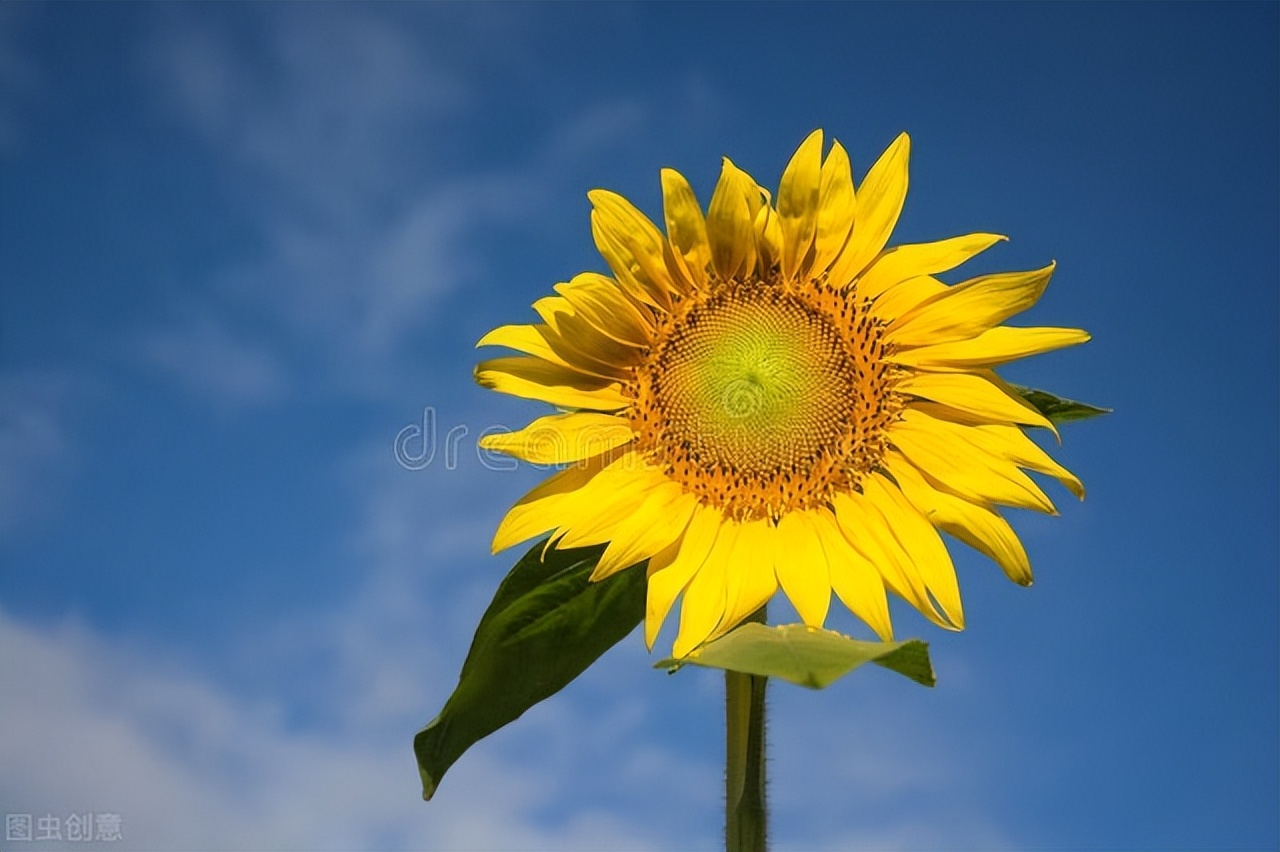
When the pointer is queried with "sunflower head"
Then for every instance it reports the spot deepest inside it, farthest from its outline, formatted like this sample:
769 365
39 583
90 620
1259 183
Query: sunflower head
766 396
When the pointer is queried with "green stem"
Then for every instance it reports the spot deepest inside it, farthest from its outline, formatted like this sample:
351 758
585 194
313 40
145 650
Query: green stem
746 814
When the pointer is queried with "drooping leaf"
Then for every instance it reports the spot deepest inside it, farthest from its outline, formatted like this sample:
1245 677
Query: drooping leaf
805 655
545 625
1056 408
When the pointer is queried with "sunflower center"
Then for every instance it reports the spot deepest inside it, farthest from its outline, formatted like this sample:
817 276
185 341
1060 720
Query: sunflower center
752 385
758 399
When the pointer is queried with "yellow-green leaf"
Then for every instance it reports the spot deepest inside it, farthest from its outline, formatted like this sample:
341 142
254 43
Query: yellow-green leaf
807 656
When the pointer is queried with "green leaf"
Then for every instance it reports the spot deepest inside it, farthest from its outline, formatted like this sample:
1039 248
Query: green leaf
546 624
805 655
1056 408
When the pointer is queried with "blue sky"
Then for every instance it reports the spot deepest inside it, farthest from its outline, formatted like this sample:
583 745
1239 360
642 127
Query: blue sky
243 247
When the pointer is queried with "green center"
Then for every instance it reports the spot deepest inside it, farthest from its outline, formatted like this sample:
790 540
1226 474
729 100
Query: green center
755 382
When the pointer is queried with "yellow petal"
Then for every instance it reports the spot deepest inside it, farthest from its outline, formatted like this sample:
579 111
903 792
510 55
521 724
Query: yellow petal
580 344
801 566
659 521
562 438
927 554
598 509
1006 442
593 365
553 309
904 296
837 206
908 261
990 349
671 569
533 378
522 338
867 531
750 580
853 578
632 246
730 228
768 229
978 526
704 599
757 196
686 229
880 201
621 261
975 395
538 511
965 468
966 310
798 203
601 302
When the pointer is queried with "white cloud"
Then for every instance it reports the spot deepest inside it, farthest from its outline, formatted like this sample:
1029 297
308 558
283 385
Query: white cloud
598 128
873 763
304 739
354 297
91 727
21 81
34 446
316 111
95 724
209 358
318 125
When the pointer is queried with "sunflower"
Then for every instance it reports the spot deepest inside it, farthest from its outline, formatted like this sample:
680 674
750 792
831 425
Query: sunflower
766 396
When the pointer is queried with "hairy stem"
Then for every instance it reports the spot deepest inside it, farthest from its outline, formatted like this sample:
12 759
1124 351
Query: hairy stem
746 813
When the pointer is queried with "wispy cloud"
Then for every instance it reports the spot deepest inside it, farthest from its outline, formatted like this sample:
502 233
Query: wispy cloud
357 296
34 444
20 79
92 727
317 125
308 745
598 128
859 767
209 358
315 112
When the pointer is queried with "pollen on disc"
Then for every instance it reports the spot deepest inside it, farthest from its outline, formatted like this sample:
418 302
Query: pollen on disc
755 399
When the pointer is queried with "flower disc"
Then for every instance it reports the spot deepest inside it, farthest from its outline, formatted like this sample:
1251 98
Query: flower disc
751 400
